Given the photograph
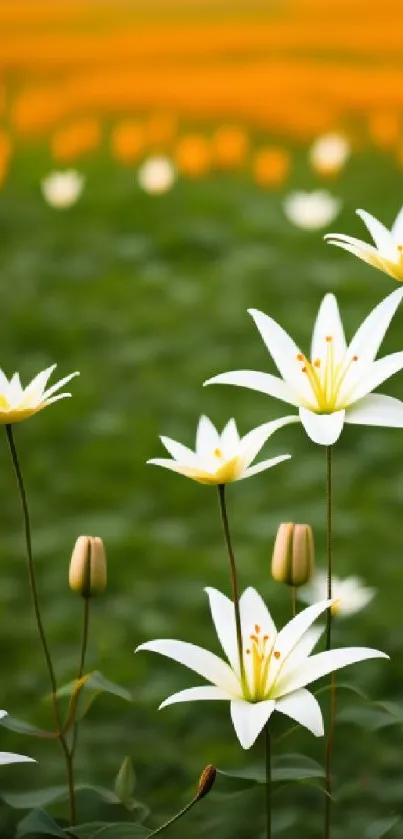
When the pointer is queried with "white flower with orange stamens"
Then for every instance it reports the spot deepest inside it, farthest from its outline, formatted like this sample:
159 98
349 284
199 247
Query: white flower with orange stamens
335 384
387 255
278 665
18 403
222 458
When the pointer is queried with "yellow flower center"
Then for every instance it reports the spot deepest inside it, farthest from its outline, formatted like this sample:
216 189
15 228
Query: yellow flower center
259 655
336 606
326 378
4 404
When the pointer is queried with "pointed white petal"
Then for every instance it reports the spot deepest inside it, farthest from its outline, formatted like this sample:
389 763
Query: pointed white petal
376 409
60 384
369 336
263 382
303 648
194 695
10 757
380 234
223 614
379 371
342 239
397 228
255 612
323 429
181 453
365 252
292 633
283 351
14 390
321 664
249 719
201 661
229 440
328 322
263 465
3 714
207 437
173 466
37 386
304 708
252 443
56 398
4 383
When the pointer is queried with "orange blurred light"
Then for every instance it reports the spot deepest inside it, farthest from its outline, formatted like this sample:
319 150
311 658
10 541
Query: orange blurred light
230 147
193 155
384 129
77 139
161 129
271 166
128 141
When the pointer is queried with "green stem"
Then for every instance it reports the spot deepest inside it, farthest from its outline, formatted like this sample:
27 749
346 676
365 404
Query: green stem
268 780
38 616
330 739
84 643
234 579
294 600
176 817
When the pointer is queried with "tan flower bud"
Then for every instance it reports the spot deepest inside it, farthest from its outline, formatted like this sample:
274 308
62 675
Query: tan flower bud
87 574
293 554
206 780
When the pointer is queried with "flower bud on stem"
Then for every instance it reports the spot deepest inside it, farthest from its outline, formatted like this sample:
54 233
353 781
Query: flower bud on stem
206 782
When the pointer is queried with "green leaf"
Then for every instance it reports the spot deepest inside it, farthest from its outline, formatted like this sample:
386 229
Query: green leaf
93 685
106 830
380 827
43 797
40 823
343 686
125 781
371 717
13 724
286 768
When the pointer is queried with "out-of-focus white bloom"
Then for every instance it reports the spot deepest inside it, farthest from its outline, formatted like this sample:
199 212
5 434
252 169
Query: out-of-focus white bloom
62 189
388 253
11 757
311 210
349 595
329 153
222 458
277 665
18 403
157 175
334 385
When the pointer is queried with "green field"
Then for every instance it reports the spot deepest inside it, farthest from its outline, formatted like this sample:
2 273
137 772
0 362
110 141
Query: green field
147 297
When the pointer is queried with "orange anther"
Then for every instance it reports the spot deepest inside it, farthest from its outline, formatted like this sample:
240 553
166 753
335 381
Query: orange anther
277 654
355 358
303 369
300 357
317 362
329 338
257 628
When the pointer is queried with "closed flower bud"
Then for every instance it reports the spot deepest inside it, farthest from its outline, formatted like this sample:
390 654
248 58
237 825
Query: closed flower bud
293 554
206 781
87 574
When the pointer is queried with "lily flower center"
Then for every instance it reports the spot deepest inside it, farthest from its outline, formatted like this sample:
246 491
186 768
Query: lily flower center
326 377
258 656
4 403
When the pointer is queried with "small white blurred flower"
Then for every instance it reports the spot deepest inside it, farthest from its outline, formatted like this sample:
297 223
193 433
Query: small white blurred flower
349 595
157 175
62 189
311 210
10 757
329 153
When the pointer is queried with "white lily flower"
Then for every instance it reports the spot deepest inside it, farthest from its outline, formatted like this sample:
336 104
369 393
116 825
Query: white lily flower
278 665
311 210
11 757
18 403
329 153
222 458
349 595
336 385
157 175
62 189
387 255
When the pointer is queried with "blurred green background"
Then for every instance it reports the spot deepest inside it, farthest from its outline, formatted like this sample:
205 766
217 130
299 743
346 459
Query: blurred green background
146 295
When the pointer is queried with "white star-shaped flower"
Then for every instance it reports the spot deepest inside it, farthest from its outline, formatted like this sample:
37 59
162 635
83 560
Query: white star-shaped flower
278 665
18 403
349 595
334 385
387 255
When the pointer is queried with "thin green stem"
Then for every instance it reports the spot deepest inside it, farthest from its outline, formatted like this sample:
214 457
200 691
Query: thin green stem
294 600
268 780
234 578
176 817
38 616
84 643
330 739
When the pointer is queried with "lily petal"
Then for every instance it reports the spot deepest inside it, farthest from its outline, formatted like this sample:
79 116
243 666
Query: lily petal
38 384
254 441
60 384
254 611
10 757
262 382
263 465
328 322
397 228
365 252
201 661
189 471
369 336
380 234
230 440
206 692
179 452
207 437
321 664
323 429
304 708
377 409
379 371
292 636
223 614
284 352
249 719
